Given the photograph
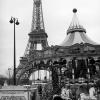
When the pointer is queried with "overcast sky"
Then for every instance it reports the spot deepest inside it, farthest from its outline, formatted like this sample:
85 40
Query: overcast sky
57 17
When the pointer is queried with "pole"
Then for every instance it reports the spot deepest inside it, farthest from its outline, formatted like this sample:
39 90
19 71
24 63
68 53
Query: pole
15 21
14 55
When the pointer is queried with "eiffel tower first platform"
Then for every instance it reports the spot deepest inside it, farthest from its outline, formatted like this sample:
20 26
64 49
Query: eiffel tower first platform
75 62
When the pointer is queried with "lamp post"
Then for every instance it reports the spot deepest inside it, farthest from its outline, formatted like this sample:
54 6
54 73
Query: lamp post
15 21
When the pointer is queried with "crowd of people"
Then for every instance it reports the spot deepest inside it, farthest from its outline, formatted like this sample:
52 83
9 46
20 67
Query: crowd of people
81 93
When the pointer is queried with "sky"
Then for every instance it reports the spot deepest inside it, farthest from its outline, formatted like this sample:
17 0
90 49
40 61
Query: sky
57 18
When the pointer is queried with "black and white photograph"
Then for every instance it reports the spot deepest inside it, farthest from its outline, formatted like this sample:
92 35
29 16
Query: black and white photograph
49 49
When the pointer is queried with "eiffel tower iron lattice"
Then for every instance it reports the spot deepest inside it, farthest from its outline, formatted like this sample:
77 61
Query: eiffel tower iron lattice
37 36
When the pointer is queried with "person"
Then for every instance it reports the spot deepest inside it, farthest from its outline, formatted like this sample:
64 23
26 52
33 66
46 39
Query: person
65 93
83 96
83 93
92 93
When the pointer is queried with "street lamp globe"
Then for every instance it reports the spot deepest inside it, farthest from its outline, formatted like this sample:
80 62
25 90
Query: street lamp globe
17 22
11 20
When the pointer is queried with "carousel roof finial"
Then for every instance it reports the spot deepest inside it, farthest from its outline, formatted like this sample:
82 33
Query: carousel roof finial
75 25
74 10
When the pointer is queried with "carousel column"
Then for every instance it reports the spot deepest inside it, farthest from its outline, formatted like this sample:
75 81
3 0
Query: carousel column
88 74
59 75
38 74
68 68
33 77
39 71
74 65
76 62
73 76
86 63
55 79
50 73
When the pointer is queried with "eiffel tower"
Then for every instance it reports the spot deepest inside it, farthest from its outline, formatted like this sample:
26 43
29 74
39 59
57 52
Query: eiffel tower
37 36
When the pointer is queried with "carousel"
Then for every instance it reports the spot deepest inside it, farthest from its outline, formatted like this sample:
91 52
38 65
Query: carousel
72 68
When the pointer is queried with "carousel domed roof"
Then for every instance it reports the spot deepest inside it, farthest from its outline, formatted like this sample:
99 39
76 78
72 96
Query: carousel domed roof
76 33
